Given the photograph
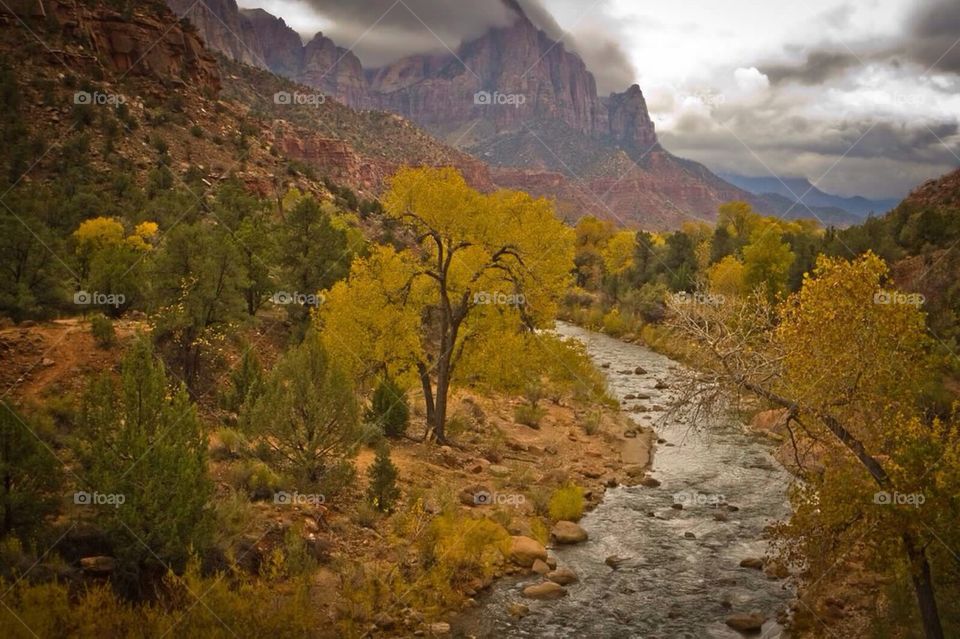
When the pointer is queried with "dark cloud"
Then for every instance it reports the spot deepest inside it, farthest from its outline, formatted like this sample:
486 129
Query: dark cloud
382 31
379 34
818 67
933 36
931 40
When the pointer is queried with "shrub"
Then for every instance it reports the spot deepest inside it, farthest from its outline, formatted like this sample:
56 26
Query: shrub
539 531
366 515
383 492
592 422
389 408
529 415
254 477
246 382
229 444
567 503
104 335
307 416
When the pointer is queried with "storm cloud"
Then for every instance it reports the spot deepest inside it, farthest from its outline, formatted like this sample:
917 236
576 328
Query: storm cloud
383 31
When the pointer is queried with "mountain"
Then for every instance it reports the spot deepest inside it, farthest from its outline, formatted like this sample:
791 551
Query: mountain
223 28
517 100
801 190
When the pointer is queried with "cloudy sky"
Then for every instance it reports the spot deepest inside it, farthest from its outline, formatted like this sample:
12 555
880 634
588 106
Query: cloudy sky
860 96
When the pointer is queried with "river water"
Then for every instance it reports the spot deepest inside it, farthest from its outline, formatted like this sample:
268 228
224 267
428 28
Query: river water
670 586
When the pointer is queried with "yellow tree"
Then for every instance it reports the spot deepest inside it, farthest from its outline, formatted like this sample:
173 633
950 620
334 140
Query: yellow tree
477 266
851 371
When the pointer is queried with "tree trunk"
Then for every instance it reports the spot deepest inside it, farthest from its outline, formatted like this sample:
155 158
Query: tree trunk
427 392
923 587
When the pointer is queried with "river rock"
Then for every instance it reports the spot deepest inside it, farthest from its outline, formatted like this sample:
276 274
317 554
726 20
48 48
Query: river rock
552 562
614 561
439 629
518 610
754 563
639 370
650 482
567 532
524 551
540 567
742 622
545 590
629 397
689 535
562 576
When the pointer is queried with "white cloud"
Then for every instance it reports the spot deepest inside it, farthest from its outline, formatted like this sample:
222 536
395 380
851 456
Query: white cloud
751 80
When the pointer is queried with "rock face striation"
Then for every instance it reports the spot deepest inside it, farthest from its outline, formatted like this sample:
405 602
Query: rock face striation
515 99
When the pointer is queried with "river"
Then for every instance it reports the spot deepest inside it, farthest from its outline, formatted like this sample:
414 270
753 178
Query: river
681 576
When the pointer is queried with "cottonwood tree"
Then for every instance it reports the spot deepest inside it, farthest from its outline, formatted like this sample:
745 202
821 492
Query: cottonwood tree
850 368
479 266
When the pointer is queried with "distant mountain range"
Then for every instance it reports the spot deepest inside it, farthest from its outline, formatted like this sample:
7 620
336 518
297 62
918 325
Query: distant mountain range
801 193
513 98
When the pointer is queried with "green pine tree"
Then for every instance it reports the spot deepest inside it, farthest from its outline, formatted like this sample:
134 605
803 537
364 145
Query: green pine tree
389 408
144 443
29 476
383 492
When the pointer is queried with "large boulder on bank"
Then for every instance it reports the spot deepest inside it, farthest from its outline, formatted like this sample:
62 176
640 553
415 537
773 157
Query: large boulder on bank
524 551
568 532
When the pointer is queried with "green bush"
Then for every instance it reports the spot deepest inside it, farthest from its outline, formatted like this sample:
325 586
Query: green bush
389 408
104 335
567 503
529 415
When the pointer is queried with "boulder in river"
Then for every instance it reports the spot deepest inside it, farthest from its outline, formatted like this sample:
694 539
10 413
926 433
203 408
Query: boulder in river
615 561
524 551
650 482
540 567
742 622
545 590
754 563
568 532
562 576
518 610
639 370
